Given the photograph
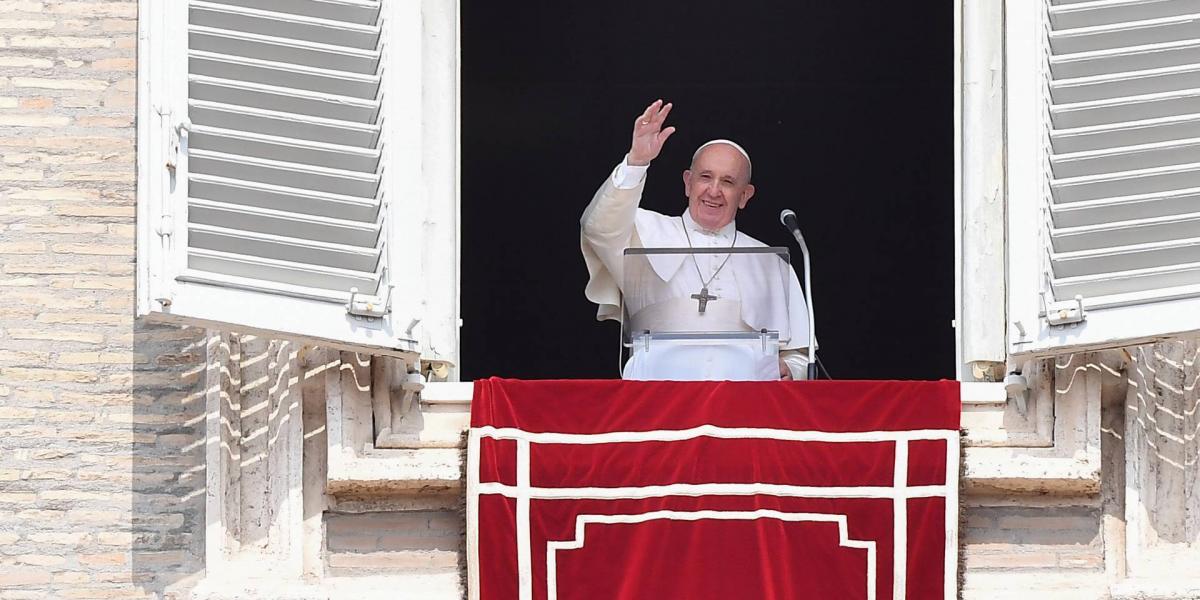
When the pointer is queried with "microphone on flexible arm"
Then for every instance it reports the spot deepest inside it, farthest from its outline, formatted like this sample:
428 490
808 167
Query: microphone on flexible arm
792 224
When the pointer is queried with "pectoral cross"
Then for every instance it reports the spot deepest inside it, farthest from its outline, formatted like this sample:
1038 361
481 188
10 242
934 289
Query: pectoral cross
702 298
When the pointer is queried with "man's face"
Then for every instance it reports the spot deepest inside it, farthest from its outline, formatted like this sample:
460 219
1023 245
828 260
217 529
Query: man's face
717 185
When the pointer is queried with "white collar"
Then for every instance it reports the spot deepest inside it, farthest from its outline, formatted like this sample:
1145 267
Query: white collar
724 232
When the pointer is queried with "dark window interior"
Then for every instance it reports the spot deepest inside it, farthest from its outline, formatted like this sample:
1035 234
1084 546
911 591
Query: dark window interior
845 107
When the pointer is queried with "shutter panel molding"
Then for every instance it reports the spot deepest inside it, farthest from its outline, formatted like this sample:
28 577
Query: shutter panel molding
1103 138
272 134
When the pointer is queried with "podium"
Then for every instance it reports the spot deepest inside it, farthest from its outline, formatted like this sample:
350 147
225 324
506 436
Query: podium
706 313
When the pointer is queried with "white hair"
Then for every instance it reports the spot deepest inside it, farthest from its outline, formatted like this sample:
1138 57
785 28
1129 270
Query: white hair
731 143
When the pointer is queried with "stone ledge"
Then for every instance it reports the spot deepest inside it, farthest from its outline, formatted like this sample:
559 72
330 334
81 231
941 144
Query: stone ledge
982 393
436 470
450 393
1029 584
439 469
1030 471
366 587
409 471
1141 589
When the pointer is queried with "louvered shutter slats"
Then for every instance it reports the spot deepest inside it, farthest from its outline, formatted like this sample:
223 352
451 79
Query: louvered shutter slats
291 125
1124 60
1065 40
1125 110
282 247
1105 87
302 175
1126 183
286 223
362 12
253 272
283 74
1128 258
1138 231
294 101
1127 158
1112 210
284 100
1076 15
286 23
283 198
1133 282
285 149
268 48
1135 133
1123 95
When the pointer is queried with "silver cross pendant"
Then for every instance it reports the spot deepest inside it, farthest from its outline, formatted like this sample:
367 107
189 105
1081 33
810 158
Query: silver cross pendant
702 298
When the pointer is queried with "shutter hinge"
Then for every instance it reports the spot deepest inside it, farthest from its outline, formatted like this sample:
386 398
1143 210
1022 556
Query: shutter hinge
1065 312
166 226
1016 388
366 305
177 133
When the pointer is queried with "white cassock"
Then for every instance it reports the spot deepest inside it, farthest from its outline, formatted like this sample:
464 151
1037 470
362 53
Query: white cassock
751 296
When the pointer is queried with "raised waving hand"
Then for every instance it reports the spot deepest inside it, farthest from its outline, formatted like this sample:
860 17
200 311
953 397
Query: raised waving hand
648 133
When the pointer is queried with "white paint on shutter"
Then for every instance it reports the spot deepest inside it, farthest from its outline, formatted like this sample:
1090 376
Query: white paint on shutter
276 205
1104 171
283 50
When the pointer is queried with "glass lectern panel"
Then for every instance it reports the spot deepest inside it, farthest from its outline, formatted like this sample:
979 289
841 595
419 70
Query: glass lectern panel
677 290
720 313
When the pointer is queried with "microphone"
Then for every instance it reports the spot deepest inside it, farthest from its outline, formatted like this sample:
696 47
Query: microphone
788 218
792 224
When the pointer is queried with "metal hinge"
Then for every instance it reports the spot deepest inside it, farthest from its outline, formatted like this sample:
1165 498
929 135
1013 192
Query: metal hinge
1016 388
365 305
181 128
166 226
1065 312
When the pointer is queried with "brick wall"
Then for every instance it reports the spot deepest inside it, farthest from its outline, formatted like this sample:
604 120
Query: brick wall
425 537
1033 533
102 468
1032 547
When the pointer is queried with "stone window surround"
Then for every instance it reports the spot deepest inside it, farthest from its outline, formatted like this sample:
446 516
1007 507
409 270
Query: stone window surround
406 437
281 455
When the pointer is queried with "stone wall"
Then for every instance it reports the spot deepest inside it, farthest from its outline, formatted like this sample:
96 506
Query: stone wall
424 536
1026 547
103 417
102 468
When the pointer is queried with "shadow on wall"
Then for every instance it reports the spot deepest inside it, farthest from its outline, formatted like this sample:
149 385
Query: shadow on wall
1162 423
167 466
252 381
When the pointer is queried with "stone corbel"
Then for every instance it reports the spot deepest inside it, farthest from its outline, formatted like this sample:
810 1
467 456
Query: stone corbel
390 430
992 419
417 409
1065 404
395 387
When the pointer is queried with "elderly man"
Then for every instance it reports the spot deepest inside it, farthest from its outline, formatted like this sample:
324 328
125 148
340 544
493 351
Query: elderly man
701 292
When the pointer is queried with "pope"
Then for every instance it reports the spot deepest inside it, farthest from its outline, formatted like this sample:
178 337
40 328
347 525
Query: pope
709 291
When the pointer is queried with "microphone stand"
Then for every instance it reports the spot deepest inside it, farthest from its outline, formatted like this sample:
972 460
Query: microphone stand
812 325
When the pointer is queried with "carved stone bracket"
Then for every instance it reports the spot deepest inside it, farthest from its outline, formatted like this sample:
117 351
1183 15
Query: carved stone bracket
390 431
992 420
1055 447
414 409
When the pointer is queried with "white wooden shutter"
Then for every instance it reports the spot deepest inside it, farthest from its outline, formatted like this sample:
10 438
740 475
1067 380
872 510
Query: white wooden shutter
273 211
1104 172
